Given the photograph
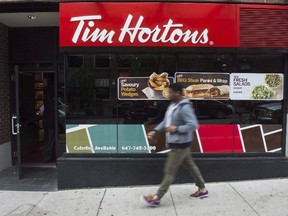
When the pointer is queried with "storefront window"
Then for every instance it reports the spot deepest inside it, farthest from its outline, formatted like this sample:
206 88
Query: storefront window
114 100
259 63
205 63
90 89
261 122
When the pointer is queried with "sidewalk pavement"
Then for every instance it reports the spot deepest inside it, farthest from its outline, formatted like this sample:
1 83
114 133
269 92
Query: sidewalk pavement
267 197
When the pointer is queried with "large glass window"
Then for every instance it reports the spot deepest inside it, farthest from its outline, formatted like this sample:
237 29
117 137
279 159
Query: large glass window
205 63
259 63
260 121
112 103
91 89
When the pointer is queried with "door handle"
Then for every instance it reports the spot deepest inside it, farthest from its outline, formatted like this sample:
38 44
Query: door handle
13 125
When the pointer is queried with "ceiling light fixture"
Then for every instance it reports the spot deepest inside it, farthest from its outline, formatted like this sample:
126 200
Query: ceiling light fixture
32 17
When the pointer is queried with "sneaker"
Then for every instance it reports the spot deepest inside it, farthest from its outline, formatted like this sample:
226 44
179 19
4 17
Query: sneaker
150 200
199 194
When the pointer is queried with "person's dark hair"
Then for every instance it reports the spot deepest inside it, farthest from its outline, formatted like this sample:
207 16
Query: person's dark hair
176 87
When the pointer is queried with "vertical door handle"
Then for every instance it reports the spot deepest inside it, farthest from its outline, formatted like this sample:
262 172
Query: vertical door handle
14 125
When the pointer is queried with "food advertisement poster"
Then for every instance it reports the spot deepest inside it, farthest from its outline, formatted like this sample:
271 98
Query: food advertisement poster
154 87
204 85
252 86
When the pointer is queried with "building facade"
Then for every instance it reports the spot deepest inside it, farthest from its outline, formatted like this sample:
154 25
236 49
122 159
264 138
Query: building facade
108 72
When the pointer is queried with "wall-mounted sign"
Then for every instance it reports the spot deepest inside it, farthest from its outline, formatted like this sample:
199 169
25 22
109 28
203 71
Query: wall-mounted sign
154 87
252 86
204 85
148 24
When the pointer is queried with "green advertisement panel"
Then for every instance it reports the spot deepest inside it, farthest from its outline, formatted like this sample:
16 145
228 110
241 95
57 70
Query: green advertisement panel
103 138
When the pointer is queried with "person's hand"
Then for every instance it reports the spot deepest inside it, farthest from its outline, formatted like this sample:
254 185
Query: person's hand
171 129
151 135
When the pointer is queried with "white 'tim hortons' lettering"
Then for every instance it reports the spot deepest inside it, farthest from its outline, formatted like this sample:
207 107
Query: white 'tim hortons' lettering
102 35
169 32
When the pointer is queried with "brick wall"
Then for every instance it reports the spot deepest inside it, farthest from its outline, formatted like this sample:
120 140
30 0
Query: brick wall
4 86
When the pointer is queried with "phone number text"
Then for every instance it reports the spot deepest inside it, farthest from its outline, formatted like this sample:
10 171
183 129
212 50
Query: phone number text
138 148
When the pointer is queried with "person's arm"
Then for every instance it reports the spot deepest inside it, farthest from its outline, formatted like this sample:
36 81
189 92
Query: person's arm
191 122
160 127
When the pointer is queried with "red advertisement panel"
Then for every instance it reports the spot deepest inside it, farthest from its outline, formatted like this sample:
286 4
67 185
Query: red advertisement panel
220 138
148 24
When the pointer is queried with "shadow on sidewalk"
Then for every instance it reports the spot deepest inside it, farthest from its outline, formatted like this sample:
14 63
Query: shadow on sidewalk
34 179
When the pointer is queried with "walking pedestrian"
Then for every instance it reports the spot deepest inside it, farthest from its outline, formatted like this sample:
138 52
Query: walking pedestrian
179 124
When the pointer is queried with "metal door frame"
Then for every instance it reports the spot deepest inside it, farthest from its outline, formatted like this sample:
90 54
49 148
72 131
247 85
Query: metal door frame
15 125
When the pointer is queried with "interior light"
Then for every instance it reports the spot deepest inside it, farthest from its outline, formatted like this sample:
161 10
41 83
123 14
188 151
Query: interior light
32 17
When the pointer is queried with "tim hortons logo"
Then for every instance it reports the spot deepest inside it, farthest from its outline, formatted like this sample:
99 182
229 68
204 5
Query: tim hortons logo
168 33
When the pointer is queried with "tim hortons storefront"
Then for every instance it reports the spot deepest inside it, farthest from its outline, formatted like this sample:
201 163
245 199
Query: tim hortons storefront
119 61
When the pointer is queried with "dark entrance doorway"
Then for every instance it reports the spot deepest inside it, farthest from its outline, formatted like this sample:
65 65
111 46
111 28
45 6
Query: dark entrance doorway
35 88
32 89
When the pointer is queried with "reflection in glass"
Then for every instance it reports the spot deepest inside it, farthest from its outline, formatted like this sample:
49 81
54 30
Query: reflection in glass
74 61
91 92
205 63
102 61
259 63
258 112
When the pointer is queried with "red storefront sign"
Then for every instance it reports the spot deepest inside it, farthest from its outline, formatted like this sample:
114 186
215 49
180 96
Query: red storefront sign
148 24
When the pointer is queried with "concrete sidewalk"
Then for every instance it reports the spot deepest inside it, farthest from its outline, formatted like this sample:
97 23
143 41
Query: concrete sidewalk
259 197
